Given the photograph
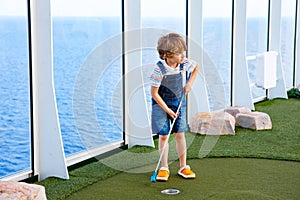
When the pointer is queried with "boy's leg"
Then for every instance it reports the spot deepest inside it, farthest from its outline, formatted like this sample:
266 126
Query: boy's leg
181 148
185 170
161 142
164 172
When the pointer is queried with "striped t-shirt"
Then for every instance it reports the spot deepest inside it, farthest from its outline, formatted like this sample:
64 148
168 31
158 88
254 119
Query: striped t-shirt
157 76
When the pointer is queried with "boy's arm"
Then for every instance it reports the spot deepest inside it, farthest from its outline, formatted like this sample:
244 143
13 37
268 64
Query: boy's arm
161 103
187 88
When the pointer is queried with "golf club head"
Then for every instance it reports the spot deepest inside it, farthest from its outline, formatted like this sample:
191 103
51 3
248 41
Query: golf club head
153 177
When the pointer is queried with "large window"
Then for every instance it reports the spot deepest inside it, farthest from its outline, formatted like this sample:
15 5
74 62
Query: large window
15 130
217 17
257 36
288 13
80 28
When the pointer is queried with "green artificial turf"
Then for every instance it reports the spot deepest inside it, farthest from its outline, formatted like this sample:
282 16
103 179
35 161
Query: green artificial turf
79 178
217 178
282 142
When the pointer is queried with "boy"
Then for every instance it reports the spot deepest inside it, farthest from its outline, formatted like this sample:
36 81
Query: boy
167 87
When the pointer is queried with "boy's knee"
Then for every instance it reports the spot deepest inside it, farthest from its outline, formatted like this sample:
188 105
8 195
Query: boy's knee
163 137
179 135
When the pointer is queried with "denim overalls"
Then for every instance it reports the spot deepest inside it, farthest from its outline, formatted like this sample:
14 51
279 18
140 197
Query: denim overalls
170 90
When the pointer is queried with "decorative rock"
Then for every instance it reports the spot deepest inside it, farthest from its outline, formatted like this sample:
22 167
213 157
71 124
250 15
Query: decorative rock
254 120
214 123
11 190
233 110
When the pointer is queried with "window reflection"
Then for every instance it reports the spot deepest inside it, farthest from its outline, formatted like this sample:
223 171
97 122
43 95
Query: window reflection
257 30
78 30
288 11
15 119
217 16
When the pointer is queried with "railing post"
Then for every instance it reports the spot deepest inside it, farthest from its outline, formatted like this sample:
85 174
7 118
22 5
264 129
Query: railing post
241 91
137 130
49 154
274 45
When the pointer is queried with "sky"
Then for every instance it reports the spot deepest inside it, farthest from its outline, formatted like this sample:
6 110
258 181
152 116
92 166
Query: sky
170 8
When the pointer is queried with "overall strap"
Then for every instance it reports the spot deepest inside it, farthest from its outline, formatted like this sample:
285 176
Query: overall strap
181 67
161 67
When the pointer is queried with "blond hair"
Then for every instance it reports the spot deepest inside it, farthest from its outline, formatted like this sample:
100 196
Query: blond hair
170 44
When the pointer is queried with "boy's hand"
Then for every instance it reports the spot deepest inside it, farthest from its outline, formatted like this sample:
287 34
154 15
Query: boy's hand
172 114
187 88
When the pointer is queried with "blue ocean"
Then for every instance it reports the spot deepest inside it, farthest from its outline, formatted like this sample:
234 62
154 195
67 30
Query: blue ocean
73 41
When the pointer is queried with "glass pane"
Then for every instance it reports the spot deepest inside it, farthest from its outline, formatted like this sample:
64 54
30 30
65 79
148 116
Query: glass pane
257 30
15 137
288 9
80 28
217 16
155 15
